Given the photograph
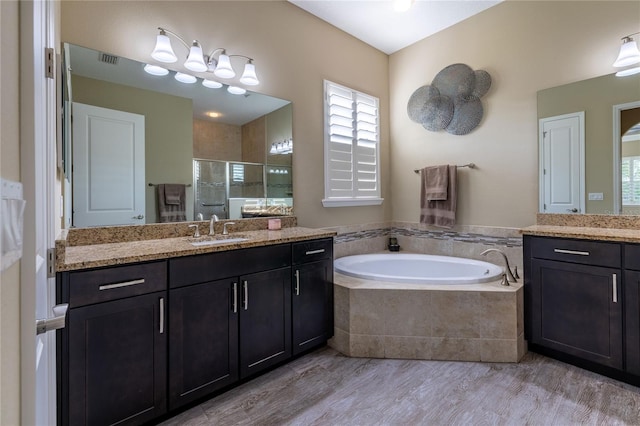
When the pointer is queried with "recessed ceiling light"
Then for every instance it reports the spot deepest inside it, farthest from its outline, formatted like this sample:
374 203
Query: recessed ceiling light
212 114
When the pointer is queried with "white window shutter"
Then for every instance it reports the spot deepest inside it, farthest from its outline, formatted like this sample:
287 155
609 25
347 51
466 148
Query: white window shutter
352 171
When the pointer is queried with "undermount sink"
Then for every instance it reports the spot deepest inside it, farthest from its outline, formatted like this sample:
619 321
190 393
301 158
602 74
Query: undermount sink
210 241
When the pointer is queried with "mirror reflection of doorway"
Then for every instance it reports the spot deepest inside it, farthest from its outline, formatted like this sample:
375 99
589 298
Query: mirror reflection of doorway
626 158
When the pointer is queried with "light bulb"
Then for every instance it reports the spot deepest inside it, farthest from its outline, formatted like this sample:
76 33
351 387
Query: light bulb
211 84
235 90
155 70
185 78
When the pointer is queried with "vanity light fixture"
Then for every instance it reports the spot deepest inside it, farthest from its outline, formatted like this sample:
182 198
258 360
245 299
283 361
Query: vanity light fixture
197 61
185 78
211 84
284 147
235 90
155 70
629 55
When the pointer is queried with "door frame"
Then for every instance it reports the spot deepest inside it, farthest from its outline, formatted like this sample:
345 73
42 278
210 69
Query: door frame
541 123
38 125
617 154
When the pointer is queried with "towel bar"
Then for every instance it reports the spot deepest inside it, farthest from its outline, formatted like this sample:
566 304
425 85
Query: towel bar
155 184
469 165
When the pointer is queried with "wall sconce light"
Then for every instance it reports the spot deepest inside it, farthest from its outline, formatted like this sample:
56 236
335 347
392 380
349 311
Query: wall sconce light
628 57
284 147
197 61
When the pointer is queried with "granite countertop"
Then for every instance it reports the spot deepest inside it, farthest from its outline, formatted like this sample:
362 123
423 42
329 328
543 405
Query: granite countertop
621 228
86 256
584 233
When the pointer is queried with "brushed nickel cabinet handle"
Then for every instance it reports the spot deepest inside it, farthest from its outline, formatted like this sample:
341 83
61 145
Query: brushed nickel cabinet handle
245 295
162 315
297 282
122 284
576 252
615 288
314 252
235 297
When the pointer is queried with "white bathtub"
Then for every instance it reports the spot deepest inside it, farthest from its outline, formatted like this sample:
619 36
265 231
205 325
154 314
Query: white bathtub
418 268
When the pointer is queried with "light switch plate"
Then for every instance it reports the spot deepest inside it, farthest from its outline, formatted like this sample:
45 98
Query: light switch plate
596 196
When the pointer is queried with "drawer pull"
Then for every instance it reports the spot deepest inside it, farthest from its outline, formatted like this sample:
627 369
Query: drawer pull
579 253
615 288
314 252
122 284
235 297
245 295
162 315
297 282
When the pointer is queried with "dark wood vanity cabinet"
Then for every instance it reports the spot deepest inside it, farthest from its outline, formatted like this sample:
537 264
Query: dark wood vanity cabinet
112 353
582 300
312 293
145 339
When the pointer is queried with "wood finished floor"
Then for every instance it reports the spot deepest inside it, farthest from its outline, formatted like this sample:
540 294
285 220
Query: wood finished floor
327 388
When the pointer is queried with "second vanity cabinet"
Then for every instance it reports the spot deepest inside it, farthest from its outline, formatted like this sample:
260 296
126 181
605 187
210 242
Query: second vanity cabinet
582 302
145 339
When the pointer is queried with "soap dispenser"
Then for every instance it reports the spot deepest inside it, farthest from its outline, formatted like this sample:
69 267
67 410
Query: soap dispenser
393 244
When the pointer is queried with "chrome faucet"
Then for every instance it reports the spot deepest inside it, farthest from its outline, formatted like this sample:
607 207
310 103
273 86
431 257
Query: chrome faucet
224 227
214 218
196 233
511 277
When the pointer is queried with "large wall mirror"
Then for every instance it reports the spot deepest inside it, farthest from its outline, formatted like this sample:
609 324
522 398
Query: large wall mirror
611 169
126 132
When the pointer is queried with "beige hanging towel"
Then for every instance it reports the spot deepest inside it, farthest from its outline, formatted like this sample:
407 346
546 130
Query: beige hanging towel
438 206
171 202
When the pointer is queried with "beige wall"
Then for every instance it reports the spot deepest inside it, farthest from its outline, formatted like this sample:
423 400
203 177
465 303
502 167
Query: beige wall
253 140
596 97
526 46
9 169
293 52
216 141
168 132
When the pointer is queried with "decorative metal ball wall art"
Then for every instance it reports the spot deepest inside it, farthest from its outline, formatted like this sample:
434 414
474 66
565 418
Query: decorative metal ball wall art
452 101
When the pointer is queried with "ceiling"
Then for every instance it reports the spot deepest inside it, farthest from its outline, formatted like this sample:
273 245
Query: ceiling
379 25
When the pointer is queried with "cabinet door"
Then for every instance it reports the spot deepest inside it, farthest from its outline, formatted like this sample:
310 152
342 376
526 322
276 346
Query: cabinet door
577 309
312 305
203 340
632 321
117 361
265 320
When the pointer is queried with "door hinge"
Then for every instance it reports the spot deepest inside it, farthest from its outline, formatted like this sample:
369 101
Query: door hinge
49 62
51 263
544 134
544 207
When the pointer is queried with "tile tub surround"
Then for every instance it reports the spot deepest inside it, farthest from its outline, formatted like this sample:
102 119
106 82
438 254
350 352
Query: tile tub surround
477 322
461 241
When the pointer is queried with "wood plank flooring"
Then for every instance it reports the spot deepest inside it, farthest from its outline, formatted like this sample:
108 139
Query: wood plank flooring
327 388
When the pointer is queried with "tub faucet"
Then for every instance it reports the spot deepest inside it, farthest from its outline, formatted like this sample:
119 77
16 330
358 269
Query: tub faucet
510 275
214 218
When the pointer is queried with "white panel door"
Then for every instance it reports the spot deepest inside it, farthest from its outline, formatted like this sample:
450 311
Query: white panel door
108 166
562 164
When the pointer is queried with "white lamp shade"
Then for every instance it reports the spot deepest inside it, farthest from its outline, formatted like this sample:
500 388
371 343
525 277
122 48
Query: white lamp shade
249 76
185 78
211 84
195 60
629 54
235 90
628 71
163 51
155 70
223 69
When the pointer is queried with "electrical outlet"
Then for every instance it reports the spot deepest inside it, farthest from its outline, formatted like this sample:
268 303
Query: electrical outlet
596 196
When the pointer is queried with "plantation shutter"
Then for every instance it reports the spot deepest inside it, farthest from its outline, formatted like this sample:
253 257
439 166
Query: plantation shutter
352 172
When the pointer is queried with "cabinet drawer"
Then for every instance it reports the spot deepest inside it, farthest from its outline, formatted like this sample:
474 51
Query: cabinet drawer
101 285
577 251
225 264
311 251
632 256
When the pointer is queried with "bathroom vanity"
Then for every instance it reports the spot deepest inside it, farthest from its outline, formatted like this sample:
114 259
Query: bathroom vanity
156 324
582 301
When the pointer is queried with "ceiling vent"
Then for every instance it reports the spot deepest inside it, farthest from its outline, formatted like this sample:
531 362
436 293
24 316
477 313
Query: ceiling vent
108 59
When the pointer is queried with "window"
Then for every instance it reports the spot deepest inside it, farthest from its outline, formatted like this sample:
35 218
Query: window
351 153
237 173
630 181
